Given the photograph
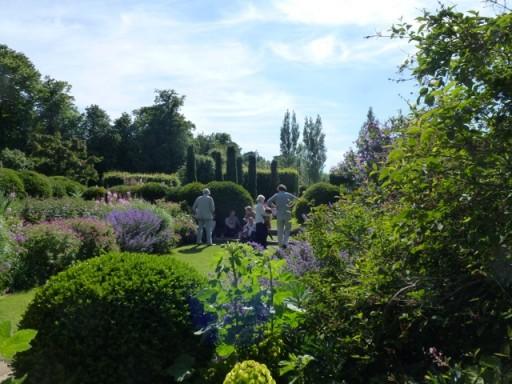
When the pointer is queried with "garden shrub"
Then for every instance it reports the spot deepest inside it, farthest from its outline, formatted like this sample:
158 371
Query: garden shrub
141 230
205 169
118 318
62 186
94 193
188 193
184 226
153 191
11 183
6 253
96 236
15 159
228 196
36 184
249 372
47 249
126 190
36 210
264 183
113 178
315 195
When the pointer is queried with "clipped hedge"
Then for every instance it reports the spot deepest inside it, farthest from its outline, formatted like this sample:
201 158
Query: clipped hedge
265 184
153 191
314 195
36 184
113 178
290 178
228 196
119 318
62 186
188 193
10 182
94 193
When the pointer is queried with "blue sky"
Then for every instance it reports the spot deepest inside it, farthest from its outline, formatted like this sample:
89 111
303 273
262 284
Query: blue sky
241 64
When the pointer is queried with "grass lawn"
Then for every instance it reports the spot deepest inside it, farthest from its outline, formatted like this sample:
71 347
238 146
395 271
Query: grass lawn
200 257
13 305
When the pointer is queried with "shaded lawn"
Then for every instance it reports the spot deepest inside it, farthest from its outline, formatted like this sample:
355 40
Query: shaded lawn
12 306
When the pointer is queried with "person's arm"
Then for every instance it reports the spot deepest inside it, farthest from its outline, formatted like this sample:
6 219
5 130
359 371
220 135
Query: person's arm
270 201
212 206
194 206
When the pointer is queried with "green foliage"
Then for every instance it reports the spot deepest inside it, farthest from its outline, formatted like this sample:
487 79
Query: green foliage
15 159
314 152
37 210
188 193
190 166
62 186
264 183
10 182
290 178
94 193
231 174
289 137
315 195
36 184
47 249
96 236
13 342
217 157
110 309
252 185
240 170
274 173
249 372
153 191
117 178
228 196
205 169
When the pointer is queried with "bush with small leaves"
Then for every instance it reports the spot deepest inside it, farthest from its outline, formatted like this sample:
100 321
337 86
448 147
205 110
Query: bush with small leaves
62 186
153 191
94 193
118 318
249 372
11 183
36 184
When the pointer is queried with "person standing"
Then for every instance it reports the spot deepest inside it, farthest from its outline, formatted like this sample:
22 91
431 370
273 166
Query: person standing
204 208
261 226
282 200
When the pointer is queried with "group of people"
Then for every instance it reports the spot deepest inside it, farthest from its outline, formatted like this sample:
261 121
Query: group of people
256 222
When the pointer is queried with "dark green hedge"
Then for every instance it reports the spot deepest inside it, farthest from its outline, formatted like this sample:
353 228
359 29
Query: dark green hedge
36 184
119 318
10 182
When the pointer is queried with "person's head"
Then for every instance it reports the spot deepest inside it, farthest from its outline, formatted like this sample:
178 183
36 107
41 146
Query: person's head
232 213
281 188
206 192
250 220
260 199
248 209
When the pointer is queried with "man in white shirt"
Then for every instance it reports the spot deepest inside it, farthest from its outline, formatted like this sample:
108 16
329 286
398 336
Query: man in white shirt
204 208
283 200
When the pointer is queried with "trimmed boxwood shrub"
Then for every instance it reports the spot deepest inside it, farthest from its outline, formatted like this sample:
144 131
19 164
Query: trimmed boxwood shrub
118 318
10 182
153 191
188 193
94 193
316 194
36 184
228 196
62 186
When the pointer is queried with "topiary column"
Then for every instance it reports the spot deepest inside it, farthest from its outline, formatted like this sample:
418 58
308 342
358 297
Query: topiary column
274 175
217 156
191 172
231 164
252 177
240 170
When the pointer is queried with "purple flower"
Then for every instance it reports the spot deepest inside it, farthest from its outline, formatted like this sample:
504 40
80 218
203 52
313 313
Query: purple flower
299 258
258 248
140 230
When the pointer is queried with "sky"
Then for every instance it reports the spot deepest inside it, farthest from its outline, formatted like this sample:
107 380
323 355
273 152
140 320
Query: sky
241 64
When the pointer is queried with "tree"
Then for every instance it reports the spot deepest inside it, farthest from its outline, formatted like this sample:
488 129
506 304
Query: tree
191 170
348 172
128 153
205 169
289 139
231 164
314 153
56 110
19 87
164 133
252 186
240 170
217 157
274 175
103 140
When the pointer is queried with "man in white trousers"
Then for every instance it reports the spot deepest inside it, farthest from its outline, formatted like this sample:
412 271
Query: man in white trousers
204 208
282 200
